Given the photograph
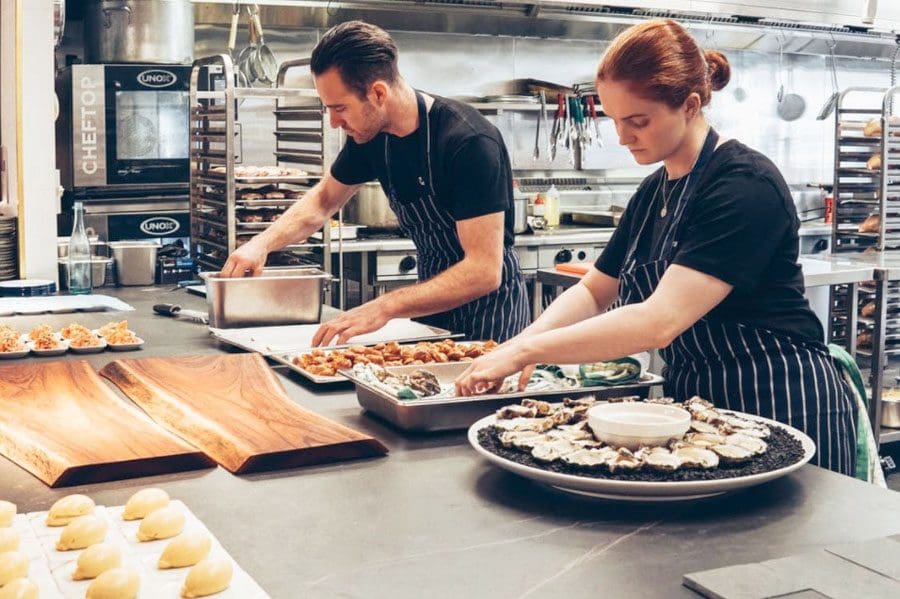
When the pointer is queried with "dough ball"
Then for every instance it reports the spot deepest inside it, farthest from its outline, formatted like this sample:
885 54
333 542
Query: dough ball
68 508
97 559
209 576
20 588
7 513
9 539
82 532
13 564
143 502
185 550
118 583
161 524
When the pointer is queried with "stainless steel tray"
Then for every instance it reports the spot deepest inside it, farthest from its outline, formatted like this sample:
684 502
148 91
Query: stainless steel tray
449 413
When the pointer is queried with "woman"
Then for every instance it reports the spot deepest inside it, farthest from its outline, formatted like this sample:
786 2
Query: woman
703 263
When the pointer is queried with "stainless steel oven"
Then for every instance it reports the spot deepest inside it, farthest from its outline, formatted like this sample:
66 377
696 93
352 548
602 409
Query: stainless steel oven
123 128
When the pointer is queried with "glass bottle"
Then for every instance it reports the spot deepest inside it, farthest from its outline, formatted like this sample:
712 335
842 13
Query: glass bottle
79 255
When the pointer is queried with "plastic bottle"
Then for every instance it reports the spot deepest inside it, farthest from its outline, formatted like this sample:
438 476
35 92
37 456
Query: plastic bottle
551 207
79 255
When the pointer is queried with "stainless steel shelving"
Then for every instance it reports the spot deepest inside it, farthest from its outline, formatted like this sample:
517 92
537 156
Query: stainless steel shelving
227 209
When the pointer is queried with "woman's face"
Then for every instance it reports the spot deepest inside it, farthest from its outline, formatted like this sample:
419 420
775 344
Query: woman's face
650 130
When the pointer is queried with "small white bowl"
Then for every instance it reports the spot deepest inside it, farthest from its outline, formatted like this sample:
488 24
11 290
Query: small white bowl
636 424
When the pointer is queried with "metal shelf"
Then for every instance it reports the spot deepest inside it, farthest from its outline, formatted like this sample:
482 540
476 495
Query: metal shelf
214 122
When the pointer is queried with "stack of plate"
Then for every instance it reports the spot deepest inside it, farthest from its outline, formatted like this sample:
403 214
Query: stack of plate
27 288
9 267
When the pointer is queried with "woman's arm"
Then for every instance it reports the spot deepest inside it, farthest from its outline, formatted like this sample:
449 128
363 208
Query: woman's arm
682 297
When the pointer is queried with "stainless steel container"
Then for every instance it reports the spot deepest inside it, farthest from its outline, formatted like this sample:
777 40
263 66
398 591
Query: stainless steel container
135 261
370 208
278 296
99 267
141 31
449 413
98 248
890 411
520 224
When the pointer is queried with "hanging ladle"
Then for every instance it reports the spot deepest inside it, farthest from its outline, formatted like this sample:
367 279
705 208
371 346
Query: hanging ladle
832 101
263 62
791 106
240 77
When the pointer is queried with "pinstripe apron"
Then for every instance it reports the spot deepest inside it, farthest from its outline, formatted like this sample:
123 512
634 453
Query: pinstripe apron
499 315
746 368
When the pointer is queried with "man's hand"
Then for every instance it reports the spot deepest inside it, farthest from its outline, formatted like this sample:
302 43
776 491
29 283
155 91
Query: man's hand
358 321
248 259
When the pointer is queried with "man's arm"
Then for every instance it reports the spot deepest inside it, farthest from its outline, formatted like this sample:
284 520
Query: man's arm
296 224
477 274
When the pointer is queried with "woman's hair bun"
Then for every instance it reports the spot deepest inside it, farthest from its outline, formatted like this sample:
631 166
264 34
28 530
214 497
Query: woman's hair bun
719 69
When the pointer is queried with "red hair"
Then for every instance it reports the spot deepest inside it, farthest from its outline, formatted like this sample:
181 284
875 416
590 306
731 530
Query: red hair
664 63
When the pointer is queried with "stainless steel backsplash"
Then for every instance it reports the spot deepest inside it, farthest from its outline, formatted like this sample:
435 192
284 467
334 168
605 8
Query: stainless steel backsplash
467 65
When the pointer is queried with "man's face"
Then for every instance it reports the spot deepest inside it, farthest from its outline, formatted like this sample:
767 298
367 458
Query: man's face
361 118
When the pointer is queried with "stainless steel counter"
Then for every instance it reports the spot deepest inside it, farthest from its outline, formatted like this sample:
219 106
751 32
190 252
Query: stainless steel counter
433 520
562 236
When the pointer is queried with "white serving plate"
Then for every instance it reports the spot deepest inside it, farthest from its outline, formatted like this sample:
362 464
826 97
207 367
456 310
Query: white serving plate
624 490
63 348
126 346
9 355
89 350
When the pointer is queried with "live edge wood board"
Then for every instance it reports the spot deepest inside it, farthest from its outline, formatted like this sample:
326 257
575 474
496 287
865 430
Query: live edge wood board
234 409
62 423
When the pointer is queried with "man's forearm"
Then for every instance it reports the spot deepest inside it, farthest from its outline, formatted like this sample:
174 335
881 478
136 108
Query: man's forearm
460 284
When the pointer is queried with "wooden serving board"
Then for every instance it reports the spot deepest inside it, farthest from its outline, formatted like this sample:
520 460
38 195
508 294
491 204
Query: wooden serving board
62 423
234 409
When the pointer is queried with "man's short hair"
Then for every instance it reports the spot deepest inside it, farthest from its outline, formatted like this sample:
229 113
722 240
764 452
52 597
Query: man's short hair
361 52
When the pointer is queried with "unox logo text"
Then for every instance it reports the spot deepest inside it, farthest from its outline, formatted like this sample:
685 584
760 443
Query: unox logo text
157 78
159 226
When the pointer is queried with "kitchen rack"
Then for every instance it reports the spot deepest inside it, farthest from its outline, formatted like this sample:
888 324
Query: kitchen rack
228 209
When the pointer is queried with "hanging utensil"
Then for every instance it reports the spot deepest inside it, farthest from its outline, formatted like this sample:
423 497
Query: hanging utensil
240 77
557 127
243 60
791 106
263 60
536 154
832 100
592 107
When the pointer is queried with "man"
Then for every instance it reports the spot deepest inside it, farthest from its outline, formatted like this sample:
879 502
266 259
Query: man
446 172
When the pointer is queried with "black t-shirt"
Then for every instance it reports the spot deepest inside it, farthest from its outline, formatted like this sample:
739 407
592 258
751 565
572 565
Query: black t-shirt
740 227
470 166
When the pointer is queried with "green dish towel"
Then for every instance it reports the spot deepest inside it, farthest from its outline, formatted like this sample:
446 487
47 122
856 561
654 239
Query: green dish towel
868 464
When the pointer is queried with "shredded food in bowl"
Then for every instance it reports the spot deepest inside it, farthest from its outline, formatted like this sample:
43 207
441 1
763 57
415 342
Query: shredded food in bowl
86 340
117 333
74 331
10 340
40 331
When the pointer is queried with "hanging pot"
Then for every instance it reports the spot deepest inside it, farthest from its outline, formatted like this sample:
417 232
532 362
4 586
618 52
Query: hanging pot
140 31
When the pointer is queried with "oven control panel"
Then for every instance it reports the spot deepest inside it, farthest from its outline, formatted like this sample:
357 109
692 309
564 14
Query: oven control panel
551 255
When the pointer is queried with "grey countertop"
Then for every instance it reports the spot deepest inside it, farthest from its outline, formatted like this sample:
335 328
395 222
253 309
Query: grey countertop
433 520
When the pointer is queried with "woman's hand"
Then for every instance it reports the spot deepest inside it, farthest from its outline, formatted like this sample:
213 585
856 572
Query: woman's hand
488 372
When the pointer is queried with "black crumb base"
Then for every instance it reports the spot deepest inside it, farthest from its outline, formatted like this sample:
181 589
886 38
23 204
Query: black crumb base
784 450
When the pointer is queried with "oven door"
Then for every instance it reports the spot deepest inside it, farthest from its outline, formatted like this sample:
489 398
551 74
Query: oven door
147 120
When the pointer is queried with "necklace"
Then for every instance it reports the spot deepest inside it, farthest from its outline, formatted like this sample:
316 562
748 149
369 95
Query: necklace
666 197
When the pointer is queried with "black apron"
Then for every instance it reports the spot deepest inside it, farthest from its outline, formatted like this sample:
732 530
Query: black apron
745 368
499 315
